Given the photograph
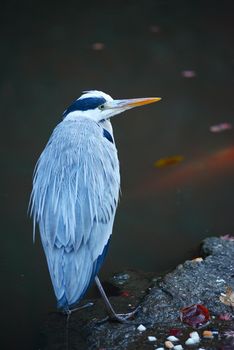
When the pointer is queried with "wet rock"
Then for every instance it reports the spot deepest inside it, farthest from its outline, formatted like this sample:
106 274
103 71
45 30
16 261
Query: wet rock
160 298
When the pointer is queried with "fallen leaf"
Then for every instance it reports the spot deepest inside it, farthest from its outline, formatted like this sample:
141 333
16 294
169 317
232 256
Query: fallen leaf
225 317
228 298
188 73
196 315
175 331
98 46
124 293
220 127
227 238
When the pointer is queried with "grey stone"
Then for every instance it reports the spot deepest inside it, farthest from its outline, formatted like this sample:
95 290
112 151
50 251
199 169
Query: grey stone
191 283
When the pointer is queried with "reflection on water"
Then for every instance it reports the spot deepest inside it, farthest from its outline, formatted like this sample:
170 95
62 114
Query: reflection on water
181 52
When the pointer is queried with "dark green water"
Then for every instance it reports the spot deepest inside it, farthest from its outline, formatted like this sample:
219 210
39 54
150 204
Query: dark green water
47 59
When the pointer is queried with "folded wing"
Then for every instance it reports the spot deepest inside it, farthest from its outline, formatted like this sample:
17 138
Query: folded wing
74 199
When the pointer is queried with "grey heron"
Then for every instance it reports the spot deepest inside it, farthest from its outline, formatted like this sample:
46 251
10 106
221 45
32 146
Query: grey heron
75 194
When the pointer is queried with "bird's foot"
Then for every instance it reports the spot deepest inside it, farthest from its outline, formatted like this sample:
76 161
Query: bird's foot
121 318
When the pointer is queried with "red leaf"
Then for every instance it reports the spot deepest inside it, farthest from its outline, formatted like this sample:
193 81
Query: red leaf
125 293
195 315
175 331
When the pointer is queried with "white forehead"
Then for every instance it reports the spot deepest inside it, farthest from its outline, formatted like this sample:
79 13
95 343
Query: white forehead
95 93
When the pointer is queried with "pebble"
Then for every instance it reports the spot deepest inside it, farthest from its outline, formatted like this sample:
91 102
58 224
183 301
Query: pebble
172 338
207 334
159 349
121 278
195 336
197 259
141 328
178 347
168 344
191 341
151 338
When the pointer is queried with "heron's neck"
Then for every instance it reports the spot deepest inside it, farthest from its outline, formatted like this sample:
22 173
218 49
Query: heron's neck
107 125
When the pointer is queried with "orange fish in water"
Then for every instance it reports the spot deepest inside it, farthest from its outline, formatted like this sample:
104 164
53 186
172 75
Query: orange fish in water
198 171
161 163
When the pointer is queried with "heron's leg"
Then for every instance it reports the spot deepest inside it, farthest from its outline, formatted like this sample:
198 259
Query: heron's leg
113 315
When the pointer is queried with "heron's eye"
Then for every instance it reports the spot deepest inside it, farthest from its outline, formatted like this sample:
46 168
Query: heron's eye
102 107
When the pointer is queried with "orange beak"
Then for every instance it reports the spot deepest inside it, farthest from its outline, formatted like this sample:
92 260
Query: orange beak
130 103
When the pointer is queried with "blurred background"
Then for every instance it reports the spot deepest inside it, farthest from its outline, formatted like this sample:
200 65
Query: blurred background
176 156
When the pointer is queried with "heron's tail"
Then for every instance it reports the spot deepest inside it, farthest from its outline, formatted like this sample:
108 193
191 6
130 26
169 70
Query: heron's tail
64 302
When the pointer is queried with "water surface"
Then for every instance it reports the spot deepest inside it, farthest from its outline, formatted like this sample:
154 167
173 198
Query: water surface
47 59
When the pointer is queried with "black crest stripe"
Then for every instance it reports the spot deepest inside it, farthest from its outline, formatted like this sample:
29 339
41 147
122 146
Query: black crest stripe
84 104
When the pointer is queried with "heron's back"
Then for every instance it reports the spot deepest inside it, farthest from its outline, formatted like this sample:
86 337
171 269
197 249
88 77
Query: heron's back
74 199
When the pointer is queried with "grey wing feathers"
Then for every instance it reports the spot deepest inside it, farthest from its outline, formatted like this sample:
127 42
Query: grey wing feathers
74 199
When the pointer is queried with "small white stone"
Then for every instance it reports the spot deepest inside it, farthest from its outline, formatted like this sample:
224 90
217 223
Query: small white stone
159 349
178 347
191 341
141 328
201 349
197 259
220 280
195 336
152 338
172 338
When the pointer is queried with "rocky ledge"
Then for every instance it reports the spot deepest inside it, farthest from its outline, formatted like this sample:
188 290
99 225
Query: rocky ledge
197 281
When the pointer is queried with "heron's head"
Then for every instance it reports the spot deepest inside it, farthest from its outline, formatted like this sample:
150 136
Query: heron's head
98 106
